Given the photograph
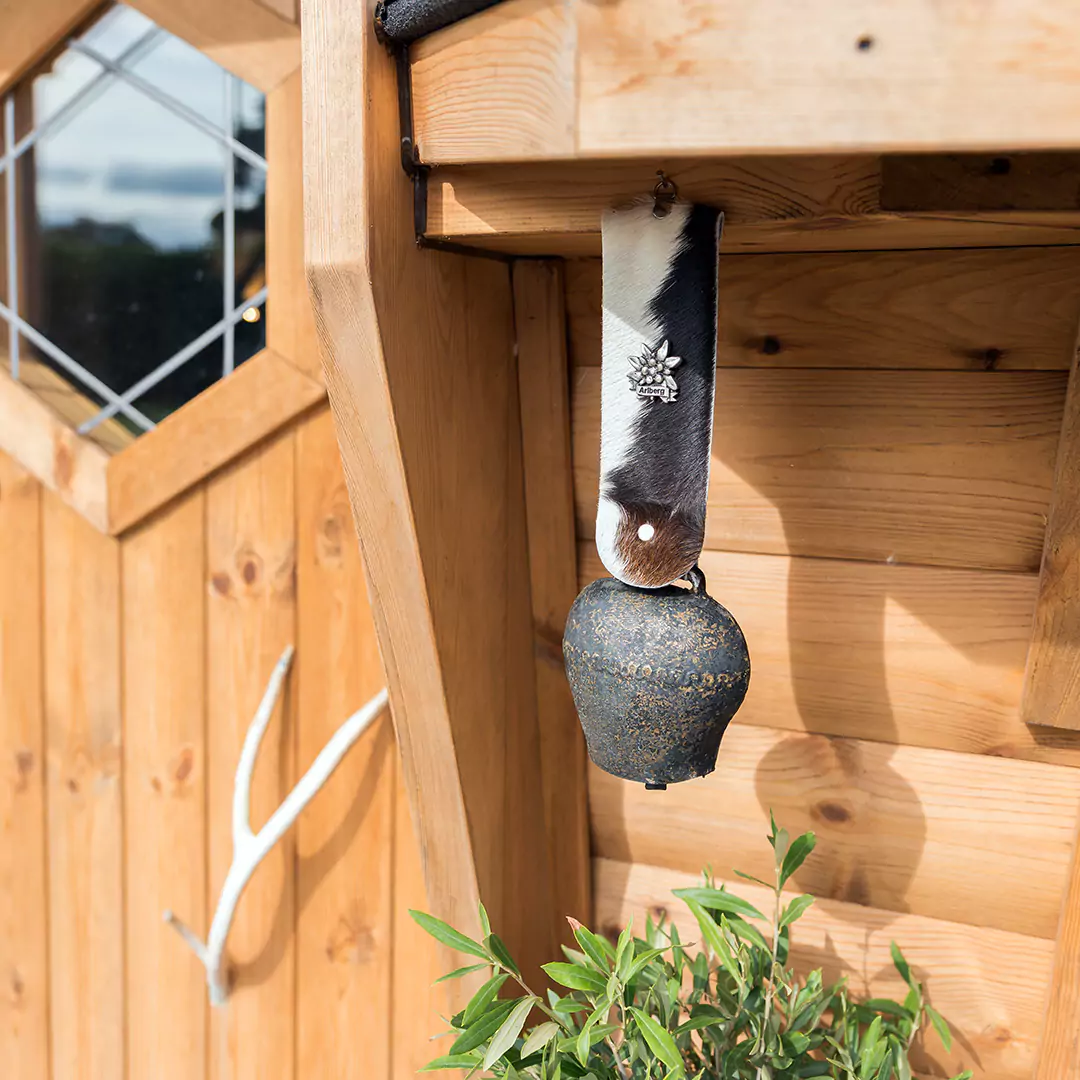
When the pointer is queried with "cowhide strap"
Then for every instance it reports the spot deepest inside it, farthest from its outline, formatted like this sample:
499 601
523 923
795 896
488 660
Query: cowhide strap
659 372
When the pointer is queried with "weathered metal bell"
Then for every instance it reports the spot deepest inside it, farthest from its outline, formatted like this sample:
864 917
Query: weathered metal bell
656 675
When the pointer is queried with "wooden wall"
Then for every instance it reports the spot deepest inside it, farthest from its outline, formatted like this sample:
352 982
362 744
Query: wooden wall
129 671
886 428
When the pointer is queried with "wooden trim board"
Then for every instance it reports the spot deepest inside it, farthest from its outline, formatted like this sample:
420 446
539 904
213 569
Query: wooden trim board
556 79
543 381
73 467
784 203
418 355
220 424
243 36
1052 690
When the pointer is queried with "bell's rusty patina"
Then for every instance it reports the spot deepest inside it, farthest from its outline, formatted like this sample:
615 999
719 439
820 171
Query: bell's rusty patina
656 674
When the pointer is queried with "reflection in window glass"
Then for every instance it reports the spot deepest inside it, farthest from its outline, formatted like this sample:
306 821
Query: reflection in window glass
124 204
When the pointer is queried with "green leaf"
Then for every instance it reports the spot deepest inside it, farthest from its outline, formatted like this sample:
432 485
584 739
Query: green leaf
795 910
445 933
704 1016
967 1074
509 1030
481 1000
483 1029
457 973
714 938
593 947
800 848
485 922
624 946
641 961
576 978
901 964
887 1005
780 844
501 953
719 900
941 1027
659 1039
745 932
452 1061
755 880
539 1037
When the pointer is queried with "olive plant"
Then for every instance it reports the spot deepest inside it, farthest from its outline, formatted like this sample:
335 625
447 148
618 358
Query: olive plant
658 1008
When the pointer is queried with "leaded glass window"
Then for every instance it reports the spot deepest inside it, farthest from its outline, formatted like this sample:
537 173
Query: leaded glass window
133 186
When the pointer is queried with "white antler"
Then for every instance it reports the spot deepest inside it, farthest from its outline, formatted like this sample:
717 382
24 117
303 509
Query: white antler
250 848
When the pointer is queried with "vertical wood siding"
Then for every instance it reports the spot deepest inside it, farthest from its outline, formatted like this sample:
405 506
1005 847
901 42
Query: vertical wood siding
137 664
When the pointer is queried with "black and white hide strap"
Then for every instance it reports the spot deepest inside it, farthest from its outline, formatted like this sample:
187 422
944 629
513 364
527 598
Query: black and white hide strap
659 374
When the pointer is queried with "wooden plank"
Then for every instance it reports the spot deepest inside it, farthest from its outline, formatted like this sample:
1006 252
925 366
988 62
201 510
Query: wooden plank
989 984
1052 688
549 505
979 840
819 203
602 80
32 30
894 77
290 320
24 1003
533 120
419 1004
915 655
973 310
165 790
251 617
84 796
1059 1051
345 839
206 434
243 36
65 463
424 394
940 467
997 183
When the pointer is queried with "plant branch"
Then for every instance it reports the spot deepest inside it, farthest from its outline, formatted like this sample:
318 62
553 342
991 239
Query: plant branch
250 848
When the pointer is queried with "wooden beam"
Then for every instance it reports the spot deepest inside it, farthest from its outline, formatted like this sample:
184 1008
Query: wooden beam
1052 684
963 310
820 203
206 434
543 379
979 839
543 79
163 609
1059 1050
290 320
84 796
243 36
941 467
73 467
24 925
32 30
418 355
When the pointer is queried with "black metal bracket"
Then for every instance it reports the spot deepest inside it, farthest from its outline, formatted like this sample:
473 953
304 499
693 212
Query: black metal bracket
415 169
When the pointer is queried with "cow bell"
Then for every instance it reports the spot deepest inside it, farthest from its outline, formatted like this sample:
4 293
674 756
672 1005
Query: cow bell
656 675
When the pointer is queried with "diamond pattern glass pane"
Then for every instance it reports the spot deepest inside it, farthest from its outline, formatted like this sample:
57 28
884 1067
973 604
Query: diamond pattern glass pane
123 230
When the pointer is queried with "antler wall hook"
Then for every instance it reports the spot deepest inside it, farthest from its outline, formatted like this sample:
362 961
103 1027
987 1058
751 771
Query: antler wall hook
250 848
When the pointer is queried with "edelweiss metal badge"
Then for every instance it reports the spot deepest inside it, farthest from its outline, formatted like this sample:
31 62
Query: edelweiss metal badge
651 377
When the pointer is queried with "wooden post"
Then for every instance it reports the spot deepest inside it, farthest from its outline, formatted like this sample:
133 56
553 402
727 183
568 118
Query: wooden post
418 357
